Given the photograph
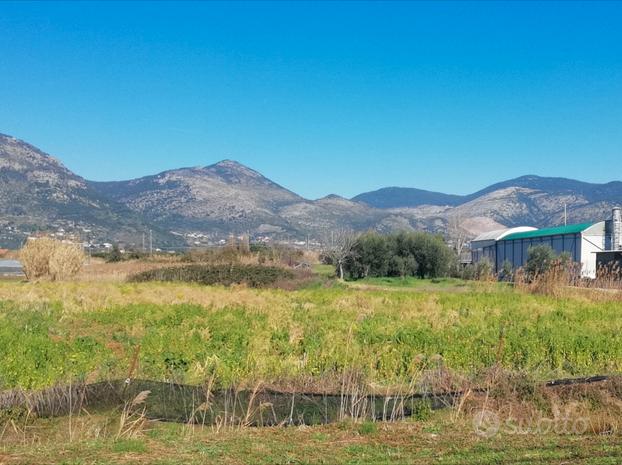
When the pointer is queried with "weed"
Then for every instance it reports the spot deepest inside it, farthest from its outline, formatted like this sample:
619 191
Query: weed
368 427
129 445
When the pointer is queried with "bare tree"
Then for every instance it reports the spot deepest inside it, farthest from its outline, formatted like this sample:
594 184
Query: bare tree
456 233
340 248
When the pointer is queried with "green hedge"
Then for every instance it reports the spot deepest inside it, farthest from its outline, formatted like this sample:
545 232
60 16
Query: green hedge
252 275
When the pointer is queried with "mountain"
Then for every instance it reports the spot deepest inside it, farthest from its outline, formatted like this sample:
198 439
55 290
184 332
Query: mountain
558 186
228 197
201 205
399 197
224 197
37 192
526 200
319 217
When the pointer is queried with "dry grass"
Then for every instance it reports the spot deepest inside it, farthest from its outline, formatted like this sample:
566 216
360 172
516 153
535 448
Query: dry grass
98 270
78 296
442 437
45 257
521 403
565 281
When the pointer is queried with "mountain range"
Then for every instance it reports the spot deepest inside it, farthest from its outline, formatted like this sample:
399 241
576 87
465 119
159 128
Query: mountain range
201 205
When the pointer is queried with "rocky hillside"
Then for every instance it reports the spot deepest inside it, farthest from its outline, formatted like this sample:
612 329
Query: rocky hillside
229 197
527 200
38 193
203 204
223 197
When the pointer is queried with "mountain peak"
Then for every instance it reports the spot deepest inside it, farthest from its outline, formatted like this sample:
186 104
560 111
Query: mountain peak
234 172
228 163
20 156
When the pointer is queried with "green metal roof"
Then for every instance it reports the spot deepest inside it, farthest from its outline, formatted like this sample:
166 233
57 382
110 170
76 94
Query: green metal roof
559 230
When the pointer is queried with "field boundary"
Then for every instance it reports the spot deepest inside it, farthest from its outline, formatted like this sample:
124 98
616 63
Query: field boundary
176 402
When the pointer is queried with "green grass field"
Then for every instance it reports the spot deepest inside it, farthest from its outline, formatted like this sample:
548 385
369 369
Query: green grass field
60 332
389 332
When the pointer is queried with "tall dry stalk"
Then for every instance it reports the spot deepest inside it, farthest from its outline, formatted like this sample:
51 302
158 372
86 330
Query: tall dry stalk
133 416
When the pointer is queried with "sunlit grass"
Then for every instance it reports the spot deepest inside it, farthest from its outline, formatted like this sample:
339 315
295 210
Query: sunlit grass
57 332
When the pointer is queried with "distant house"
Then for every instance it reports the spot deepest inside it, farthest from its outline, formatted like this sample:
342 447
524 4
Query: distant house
3 252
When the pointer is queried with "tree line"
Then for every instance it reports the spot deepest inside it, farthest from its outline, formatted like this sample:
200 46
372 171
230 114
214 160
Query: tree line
400 254
424 255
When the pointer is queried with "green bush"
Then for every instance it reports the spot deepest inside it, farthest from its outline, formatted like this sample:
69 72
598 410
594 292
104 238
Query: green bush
539 259
403 254
252 275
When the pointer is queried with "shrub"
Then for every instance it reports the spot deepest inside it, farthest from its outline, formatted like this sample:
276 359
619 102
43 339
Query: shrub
507 271
484 270
539 259
252 275
35 257
45 257
403 254
114 255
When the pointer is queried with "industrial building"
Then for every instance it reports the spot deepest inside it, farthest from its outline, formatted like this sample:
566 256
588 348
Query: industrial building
484 246
591 244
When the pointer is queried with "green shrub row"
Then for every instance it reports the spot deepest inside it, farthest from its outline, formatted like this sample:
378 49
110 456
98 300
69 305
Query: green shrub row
252 275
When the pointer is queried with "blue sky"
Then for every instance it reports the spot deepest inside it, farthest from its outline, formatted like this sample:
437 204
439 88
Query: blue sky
320 97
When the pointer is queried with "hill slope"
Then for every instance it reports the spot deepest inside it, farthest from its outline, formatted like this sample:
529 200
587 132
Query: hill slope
224 197
400 197
38 193
527 200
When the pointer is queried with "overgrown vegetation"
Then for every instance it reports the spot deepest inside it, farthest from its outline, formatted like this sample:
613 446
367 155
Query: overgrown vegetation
63 331
379 335
45 257
252 275
541 258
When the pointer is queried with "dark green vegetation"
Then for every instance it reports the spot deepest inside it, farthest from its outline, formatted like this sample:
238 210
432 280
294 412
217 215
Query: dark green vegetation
541 258
225 274
402 254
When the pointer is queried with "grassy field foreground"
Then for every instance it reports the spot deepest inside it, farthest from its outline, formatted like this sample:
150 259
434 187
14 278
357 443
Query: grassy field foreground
436 440
57 332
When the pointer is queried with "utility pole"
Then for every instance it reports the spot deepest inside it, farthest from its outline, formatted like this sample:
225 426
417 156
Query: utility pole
150 242
143 241
565 216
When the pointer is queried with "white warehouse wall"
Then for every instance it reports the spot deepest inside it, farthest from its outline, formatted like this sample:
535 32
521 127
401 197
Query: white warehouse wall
592 241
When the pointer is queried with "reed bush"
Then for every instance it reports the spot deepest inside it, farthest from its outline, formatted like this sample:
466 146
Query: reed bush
45 257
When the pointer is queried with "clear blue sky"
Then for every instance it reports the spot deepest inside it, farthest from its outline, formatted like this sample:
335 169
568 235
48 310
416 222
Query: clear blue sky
322 98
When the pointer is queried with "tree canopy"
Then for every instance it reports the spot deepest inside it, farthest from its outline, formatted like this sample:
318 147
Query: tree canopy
401 254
